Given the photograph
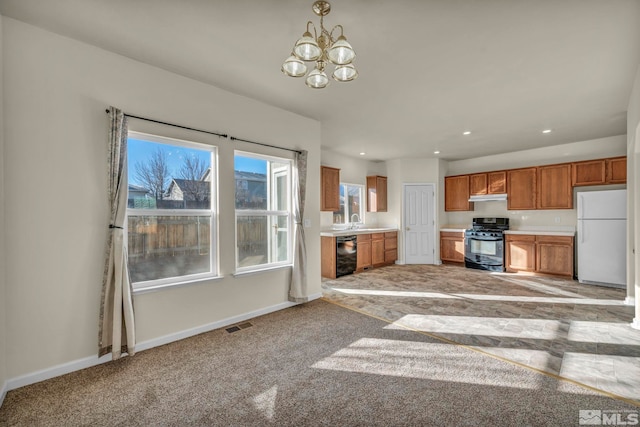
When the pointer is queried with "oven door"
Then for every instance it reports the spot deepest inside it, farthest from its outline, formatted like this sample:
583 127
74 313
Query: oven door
484 252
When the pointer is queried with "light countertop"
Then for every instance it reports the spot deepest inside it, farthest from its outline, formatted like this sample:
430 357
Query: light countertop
350 232
542 232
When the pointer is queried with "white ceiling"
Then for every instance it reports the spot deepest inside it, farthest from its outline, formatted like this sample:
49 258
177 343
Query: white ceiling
429 69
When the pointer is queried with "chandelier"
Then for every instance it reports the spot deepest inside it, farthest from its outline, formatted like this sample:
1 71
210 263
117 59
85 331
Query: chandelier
322 49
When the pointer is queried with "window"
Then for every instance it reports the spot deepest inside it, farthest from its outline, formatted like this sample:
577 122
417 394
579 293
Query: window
263 211
170 214
351 202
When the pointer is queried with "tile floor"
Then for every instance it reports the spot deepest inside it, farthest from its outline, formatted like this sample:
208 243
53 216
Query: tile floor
578 332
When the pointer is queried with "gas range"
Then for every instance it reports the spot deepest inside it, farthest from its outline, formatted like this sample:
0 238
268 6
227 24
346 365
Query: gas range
484 243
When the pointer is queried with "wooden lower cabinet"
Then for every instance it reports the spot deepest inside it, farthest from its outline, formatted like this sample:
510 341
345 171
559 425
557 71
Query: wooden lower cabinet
554 255
377 249
390 247
520 253
452 246
364 252
372 250
539 254
328 253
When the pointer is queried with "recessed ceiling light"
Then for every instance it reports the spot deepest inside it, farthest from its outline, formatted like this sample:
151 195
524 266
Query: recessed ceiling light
546 131
363 153
436 152
466 132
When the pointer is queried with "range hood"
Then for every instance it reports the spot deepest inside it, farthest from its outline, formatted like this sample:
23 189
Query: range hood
488 198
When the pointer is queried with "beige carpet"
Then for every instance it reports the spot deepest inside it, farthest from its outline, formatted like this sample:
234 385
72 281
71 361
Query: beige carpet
311 365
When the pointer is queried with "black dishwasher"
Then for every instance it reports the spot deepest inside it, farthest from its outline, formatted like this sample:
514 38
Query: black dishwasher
346 255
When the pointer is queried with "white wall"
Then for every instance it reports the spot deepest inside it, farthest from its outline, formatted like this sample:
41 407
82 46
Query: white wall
408 171
633 208
55 167
3 299
576 151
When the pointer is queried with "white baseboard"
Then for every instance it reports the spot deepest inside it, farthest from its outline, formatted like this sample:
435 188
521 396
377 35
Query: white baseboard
636 323
90 361
629 301
3 392
145 345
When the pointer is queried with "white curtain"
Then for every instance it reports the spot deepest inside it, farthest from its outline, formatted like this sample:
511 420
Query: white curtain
117 331
298 288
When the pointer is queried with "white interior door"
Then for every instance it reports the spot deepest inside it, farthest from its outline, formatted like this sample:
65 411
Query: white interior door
419 223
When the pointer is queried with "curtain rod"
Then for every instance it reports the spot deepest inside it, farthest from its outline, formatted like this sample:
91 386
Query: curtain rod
174 125
222 135
233 138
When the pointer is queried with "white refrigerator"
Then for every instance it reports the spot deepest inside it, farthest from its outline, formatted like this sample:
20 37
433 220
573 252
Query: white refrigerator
602 238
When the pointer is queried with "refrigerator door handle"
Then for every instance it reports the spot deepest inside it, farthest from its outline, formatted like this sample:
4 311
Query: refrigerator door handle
581 230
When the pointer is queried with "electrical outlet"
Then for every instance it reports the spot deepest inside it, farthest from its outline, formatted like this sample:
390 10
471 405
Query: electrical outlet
557 220
307 223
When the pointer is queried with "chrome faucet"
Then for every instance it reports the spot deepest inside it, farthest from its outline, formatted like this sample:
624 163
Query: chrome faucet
357 220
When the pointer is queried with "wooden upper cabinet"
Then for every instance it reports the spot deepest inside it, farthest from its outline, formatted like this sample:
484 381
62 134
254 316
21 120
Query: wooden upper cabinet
497 182
554 187
478 184
456 193
617 170
599 172
376 193
521 188
488 183
592 172
330 189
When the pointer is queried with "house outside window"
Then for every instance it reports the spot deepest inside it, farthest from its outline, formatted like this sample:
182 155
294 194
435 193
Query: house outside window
263 211
171 212
351 202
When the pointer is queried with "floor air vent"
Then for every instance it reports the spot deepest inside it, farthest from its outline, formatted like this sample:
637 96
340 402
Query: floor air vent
236 328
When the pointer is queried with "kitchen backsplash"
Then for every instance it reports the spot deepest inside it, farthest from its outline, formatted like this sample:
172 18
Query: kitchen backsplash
517 219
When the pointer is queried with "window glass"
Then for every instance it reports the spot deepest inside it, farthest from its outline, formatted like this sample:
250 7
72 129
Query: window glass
263 211
170 213
351 202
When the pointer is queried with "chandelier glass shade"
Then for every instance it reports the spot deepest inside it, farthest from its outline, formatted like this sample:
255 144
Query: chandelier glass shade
322 49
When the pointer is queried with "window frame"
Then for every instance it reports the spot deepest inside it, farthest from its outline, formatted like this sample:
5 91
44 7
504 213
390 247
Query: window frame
271 212
361 214
212 213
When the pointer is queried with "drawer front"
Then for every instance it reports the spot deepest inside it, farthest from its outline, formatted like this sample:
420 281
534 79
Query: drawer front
559 240
377 236
520 238
390 243
364 238
452 235
391 234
